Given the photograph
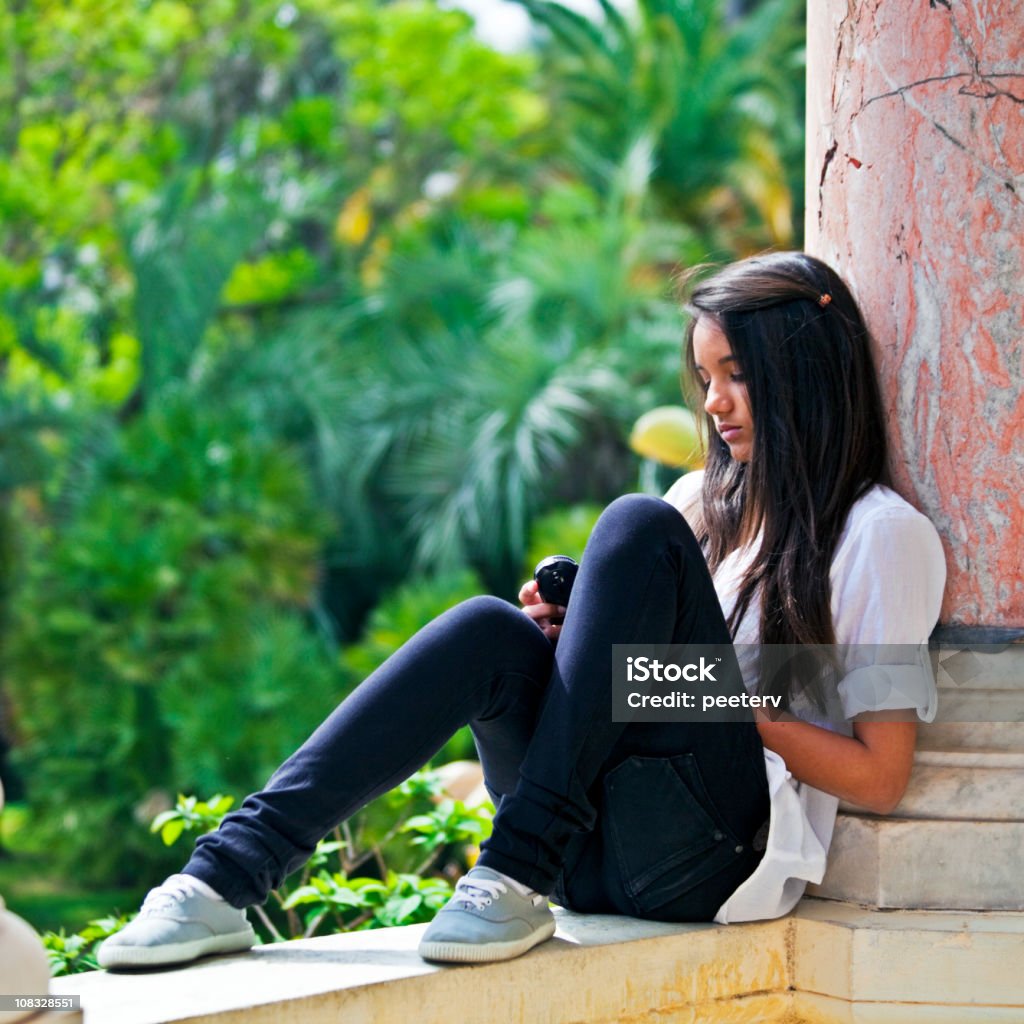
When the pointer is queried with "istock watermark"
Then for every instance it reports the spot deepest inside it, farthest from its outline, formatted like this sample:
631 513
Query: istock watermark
678 682
831 685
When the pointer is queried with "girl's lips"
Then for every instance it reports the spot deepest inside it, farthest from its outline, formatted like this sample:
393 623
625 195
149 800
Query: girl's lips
730 433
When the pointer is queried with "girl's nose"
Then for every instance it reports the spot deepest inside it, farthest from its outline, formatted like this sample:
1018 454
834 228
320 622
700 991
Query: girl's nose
716 401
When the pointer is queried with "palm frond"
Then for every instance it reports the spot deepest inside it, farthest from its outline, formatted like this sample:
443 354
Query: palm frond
182 250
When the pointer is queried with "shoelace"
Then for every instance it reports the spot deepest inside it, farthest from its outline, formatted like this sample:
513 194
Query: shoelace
477 893
162 898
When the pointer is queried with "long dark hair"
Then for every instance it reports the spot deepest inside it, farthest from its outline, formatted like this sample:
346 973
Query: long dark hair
819 438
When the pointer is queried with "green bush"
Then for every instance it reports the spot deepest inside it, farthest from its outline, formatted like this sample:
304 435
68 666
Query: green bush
159 630
564 531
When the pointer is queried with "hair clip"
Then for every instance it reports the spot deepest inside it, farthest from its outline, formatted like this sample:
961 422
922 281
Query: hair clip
824 300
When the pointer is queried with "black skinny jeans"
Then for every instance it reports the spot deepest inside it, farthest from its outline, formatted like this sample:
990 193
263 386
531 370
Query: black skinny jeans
652 820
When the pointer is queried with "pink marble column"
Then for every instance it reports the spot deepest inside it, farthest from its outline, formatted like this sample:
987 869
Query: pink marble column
915 192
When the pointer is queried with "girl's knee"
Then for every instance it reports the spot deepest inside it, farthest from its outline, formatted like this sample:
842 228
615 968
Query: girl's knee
503 634
487 605
633 508
643 520
492 616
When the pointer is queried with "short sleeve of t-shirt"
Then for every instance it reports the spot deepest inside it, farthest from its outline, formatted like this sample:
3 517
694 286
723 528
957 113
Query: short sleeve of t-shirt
887 582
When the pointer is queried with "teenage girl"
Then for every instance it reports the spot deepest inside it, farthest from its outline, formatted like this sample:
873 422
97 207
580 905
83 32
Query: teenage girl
789 536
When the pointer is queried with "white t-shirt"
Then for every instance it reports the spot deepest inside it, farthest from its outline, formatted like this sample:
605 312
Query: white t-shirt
887 578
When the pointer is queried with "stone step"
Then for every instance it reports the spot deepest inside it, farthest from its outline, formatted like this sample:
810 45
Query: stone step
938 865
958 735
973 707
857 965
967 785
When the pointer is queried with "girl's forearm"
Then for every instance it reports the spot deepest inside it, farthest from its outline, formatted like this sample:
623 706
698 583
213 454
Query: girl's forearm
870 769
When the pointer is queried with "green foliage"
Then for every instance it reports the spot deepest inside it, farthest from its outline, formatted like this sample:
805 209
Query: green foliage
72 954
319 899
449 823
271 278
474 101
152 153
190 814
563 531
714 96
423 784
184 252
158 632
487 388
357 903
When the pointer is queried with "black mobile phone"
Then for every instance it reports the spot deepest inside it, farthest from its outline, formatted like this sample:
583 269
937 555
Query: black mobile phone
555 576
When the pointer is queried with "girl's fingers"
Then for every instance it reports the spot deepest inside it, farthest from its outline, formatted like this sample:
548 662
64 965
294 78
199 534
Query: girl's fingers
543 613
540 611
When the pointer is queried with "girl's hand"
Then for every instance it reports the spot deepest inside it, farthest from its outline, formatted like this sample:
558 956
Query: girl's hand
540 611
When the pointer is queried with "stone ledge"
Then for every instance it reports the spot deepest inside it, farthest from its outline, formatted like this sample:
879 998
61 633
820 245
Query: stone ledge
596 969
934 865
922 957
826 963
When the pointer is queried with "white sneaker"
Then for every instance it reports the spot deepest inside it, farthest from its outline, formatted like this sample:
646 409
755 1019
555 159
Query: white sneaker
490 917
179 921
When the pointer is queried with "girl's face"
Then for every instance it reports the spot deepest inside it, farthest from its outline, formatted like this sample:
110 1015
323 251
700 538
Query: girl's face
725 393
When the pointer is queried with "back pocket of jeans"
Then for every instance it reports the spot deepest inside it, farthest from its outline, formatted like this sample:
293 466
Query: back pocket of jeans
660 824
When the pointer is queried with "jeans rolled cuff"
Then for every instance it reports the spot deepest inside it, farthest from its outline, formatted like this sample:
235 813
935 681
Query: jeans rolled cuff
234 889
536 878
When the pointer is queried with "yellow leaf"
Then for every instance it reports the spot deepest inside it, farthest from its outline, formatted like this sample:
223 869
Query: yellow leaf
371 273
356 218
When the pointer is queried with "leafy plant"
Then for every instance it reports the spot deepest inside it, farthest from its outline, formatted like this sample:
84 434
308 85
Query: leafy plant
191 815
717 98
357 903
321 898
450 823
72 954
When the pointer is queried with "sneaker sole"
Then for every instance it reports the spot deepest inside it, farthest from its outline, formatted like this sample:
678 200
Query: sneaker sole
484 952
174 953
